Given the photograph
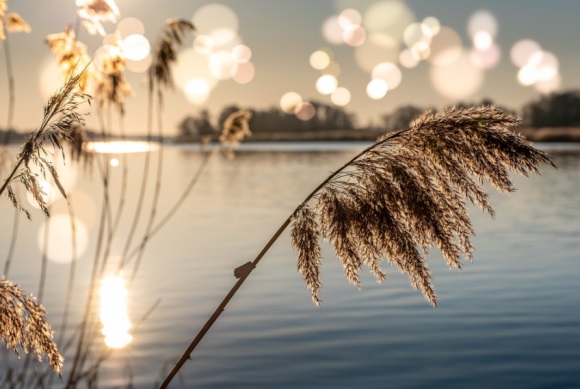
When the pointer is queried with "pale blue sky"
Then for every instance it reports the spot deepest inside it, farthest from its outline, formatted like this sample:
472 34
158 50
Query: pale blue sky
283 34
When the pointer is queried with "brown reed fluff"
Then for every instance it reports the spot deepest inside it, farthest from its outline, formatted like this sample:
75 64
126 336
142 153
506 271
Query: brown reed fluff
23 325
166 51
407 194
61 117
397 199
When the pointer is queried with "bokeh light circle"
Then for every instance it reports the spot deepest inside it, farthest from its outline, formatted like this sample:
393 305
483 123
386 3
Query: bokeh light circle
377 48
319 59
377 89
305 111
289 101
341 96
389 72
523 50
60 238
326 84
129 26
243 73
446 47
203 44
482 21
390 17
460 80
332 31
197 90
217 21
135 47
241 53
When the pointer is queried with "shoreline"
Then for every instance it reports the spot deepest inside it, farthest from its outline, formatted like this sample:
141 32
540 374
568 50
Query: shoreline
547 135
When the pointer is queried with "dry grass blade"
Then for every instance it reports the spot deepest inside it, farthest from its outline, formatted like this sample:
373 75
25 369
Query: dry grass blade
23 324
407 193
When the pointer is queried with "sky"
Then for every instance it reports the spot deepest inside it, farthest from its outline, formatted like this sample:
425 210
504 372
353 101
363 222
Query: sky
453 51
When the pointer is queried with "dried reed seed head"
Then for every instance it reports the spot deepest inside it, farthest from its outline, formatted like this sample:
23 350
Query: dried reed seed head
166 54
94 12
111 84
23 324
15 23
71 55
235 128
409 191
305 238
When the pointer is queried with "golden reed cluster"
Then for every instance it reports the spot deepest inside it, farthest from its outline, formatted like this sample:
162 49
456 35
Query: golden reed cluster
407 194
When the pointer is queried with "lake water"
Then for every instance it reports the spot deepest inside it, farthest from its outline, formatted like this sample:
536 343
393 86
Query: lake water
510 319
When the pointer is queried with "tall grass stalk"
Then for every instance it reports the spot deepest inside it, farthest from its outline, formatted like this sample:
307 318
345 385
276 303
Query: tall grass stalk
398 198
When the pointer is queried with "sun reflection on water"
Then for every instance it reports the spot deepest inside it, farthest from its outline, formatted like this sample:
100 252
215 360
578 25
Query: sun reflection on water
113 312
121 147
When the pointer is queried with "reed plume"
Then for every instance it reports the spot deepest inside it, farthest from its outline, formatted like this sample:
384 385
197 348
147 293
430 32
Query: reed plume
94 12
166 52
70 55
407 194
398 198
61 116
23 325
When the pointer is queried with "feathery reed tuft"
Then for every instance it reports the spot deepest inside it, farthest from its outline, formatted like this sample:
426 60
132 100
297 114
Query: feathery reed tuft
94 12
407 194
60 118
166 52
23 324
15 23
70 55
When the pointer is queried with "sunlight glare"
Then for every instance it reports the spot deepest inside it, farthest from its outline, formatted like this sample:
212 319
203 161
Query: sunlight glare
113 312
47 193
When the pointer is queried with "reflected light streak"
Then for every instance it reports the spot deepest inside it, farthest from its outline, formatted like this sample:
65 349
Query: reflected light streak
121 147
113 312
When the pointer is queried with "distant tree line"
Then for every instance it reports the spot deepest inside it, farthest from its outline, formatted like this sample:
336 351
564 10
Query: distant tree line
560 109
